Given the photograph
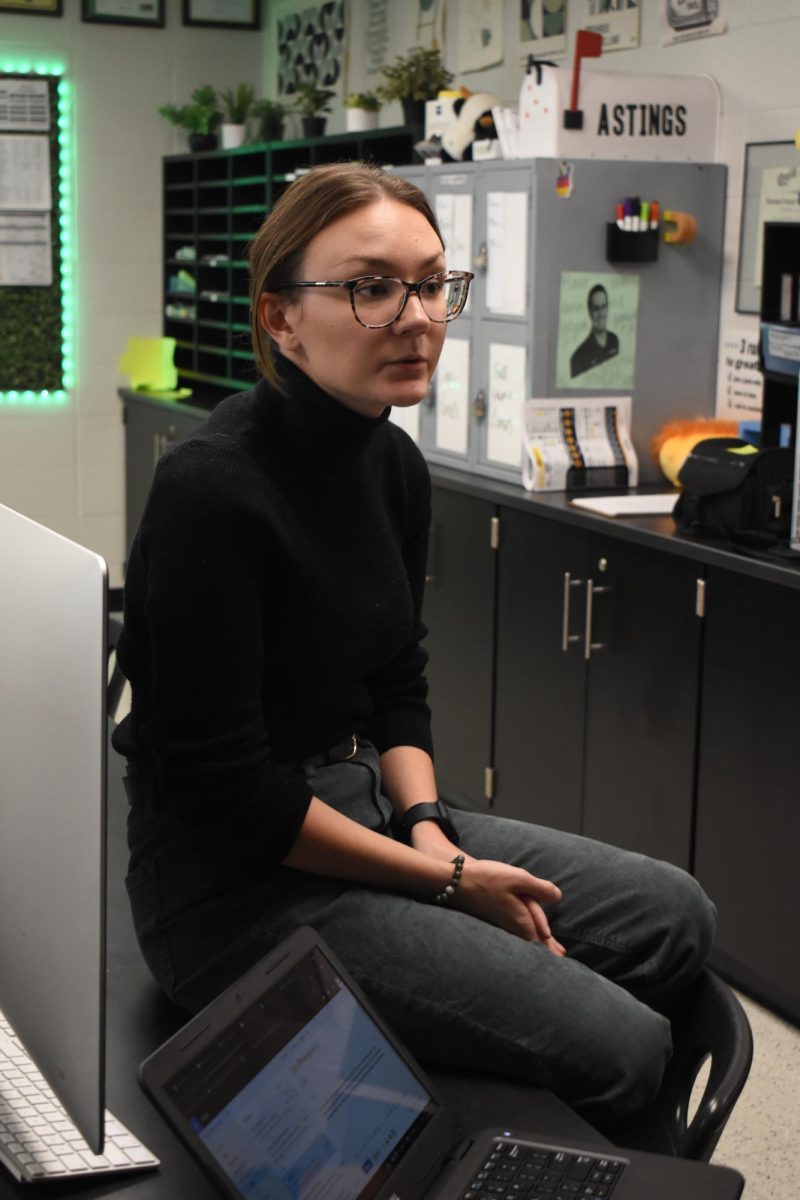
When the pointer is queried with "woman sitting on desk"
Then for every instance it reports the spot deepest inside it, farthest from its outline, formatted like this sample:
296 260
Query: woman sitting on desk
279 742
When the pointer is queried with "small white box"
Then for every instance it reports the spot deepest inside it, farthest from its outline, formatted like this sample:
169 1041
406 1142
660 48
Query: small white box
439 114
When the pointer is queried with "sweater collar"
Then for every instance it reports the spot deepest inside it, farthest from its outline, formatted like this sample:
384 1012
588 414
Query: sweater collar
320 425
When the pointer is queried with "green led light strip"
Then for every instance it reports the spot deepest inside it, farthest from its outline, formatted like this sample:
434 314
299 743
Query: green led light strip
66 235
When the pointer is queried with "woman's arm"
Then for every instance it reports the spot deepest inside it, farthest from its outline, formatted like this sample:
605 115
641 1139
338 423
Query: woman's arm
332 844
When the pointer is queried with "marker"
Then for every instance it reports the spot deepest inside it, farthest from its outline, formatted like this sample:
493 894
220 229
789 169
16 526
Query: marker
636 206
655 213
644 215
620 216
627 221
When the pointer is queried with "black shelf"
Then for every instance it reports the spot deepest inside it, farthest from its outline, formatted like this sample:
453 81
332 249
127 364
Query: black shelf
214 203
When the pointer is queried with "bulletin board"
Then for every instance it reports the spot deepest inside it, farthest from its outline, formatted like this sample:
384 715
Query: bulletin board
36 251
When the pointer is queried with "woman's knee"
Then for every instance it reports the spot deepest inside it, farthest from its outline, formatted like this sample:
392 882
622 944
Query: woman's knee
689 923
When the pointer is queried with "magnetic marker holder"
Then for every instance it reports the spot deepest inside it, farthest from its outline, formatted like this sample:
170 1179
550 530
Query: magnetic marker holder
628 245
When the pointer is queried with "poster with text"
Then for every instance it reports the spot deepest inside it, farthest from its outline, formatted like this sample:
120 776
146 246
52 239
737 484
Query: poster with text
378 31
617 21
740 384
542 28
682 20
597 321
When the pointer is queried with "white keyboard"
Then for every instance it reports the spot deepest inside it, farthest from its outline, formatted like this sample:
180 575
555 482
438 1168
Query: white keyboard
37 1139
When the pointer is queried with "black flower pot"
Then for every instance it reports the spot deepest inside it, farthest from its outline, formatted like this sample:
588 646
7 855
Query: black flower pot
313 126
272 131
202 141
414 113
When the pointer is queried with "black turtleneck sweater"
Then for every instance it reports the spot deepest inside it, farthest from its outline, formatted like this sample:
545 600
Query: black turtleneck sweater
272 606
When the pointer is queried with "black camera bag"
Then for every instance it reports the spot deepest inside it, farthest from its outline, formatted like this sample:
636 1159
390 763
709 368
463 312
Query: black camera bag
730 489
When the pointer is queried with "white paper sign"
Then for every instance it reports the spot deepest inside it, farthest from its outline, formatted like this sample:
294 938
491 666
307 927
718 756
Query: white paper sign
24 104
507 391
25 173
740 383
507 240
454 214
617 21
26 250
452 396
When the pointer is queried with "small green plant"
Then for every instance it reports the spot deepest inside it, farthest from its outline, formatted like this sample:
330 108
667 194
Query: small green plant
237 102
311 101
421 75
270 115
366 100
202 115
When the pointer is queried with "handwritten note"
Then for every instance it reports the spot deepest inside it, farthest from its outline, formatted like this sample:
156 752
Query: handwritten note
507 391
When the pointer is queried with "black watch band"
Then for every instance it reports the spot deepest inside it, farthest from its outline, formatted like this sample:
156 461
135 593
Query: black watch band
427 812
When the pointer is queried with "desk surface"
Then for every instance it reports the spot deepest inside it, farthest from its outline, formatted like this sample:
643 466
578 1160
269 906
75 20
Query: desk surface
140 1018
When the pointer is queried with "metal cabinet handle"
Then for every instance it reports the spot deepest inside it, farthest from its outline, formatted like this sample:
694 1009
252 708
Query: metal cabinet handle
588 644
566 636
479 406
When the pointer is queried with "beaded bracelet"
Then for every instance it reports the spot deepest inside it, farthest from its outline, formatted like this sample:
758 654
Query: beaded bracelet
446 896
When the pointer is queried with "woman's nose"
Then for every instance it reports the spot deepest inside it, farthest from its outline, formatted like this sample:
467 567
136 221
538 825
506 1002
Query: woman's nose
413 316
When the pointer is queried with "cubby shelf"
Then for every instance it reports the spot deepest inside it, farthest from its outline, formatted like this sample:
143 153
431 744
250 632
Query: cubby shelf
213 205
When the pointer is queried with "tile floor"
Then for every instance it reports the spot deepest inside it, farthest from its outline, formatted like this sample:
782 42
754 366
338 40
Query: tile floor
762 1137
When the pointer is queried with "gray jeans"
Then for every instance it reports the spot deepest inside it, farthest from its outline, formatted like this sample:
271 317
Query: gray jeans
458 991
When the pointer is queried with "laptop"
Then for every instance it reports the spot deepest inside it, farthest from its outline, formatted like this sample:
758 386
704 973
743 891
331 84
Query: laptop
290 1086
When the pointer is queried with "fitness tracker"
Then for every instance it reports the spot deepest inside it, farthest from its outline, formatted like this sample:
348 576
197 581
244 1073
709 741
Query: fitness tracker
427 812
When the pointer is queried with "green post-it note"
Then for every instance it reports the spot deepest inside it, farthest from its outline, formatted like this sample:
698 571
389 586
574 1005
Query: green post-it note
149 362
748 449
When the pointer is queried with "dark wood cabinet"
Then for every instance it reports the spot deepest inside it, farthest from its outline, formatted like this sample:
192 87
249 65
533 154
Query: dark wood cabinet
748 814
459 613
598 646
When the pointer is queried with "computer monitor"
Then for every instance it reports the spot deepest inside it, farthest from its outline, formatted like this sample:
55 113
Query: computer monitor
53 674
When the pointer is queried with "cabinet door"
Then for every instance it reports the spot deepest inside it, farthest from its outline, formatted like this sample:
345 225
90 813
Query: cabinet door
748 816
148 431
540 671
459 613
641 700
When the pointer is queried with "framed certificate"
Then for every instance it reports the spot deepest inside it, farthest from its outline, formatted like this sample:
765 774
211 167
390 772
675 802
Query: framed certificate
771 192
223 14
38 8
125 12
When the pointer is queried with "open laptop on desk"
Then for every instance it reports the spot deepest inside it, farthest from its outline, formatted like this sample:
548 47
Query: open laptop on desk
53 675
289 1086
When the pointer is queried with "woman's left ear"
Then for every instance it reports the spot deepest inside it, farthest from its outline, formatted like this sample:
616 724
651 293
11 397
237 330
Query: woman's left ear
274 318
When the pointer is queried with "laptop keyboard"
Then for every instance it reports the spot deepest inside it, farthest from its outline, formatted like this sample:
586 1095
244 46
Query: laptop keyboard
520 1170
37 1139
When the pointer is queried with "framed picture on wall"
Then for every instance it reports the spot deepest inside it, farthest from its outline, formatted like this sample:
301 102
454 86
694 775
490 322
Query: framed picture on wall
36 8
771 192
223 14
124 12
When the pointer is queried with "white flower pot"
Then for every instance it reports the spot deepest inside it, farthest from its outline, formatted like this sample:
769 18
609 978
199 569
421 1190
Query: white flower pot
359 120
232 136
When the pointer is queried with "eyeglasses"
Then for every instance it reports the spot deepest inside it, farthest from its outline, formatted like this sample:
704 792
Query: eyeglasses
378 300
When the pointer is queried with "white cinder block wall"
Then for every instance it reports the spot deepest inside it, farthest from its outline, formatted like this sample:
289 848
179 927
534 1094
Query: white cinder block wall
64 467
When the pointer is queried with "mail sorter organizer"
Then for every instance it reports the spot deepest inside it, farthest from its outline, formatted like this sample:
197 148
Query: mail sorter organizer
534 233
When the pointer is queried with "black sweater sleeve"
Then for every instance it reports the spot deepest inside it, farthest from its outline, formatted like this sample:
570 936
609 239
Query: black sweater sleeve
193 650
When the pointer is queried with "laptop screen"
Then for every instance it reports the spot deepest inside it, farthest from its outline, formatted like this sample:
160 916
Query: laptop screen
303 1097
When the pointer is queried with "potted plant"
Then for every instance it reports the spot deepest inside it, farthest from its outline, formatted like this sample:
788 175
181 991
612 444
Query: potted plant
362 110
412 80
200 118
236 104
271 116
311 103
